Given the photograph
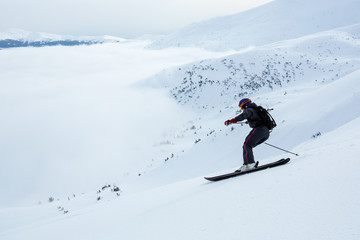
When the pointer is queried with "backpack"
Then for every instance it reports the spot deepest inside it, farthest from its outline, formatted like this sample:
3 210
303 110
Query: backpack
266 118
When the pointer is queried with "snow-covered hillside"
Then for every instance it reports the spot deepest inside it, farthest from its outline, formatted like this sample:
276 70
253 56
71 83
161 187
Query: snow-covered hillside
275 21
325 57
112 141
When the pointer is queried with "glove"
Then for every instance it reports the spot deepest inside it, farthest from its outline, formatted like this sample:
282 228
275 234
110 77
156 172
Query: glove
228 122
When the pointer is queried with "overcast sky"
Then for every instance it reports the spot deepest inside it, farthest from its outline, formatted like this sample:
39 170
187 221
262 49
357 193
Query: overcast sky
122 18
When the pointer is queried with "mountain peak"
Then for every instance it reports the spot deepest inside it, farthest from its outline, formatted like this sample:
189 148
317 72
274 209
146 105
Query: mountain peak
263 24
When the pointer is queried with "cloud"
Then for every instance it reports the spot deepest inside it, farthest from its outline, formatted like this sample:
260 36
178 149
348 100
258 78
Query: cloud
72 114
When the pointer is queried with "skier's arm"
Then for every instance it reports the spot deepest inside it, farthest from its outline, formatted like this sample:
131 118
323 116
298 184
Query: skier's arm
228 122
244 115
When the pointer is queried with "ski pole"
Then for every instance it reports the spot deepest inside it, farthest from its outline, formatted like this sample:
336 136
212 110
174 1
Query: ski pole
282 149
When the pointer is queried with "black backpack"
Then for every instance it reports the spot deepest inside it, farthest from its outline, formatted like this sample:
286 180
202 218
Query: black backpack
266 118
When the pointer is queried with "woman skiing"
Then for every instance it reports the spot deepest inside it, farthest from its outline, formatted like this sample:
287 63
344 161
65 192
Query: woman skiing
259 133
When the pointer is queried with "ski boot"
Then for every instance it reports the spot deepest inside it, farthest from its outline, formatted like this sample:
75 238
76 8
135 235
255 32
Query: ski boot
247 167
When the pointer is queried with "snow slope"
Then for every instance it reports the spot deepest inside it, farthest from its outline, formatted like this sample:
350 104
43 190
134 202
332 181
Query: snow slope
309 198
272 22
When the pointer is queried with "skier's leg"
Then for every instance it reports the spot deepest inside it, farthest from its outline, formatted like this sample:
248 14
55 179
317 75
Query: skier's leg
264 135
255 137
248 155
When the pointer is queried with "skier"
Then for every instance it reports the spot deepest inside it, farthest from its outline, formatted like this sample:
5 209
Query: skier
259 133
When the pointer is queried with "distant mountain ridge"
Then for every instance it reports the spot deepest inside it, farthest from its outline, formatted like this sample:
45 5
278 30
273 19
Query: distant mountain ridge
10 43
275 21
20 38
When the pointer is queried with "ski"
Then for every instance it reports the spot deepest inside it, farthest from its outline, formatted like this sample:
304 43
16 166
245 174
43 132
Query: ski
262 167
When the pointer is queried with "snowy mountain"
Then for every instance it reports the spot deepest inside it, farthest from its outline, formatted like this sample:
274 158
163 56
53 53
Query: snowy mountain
20 38
113 141
275 21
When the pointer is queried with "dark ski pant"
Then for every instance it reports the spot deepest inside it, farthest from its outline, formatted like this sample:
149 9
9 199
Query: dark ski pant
256 136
